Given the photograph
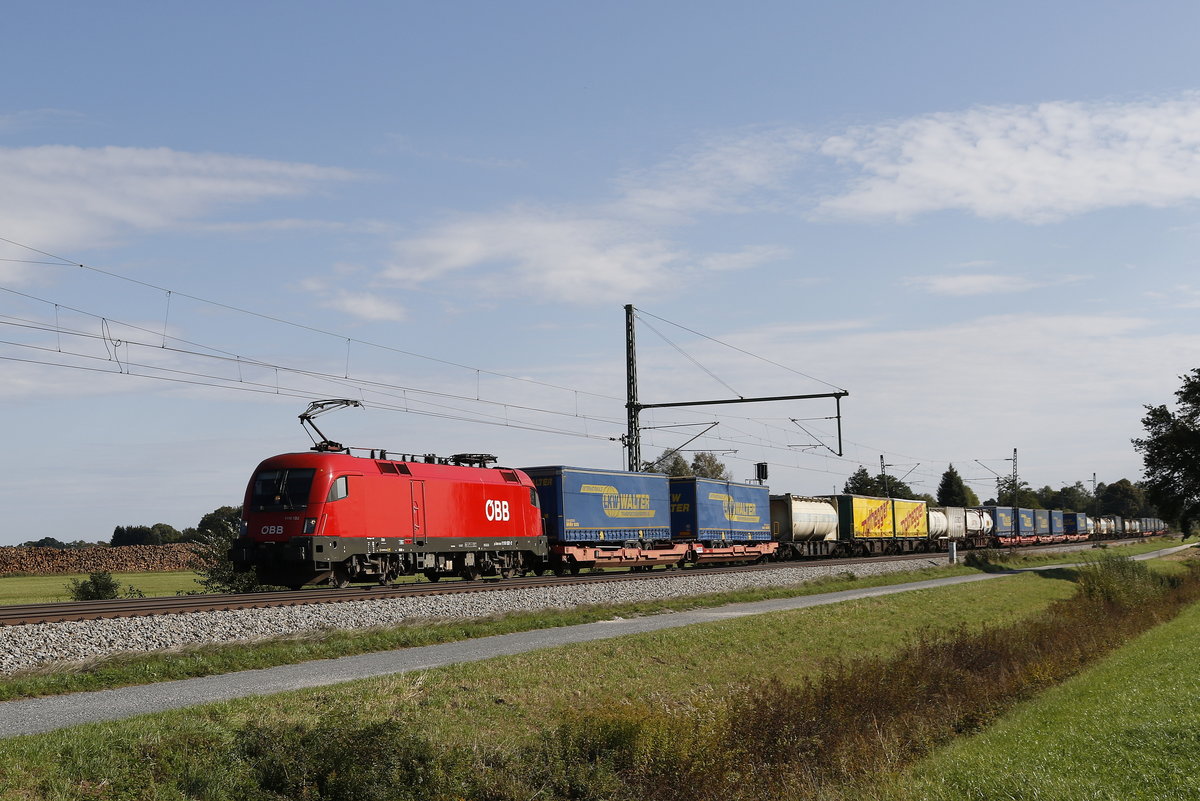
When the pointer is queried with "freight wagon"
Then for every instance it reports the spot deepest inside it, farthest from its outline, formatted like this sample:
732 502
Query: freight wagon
605 518
722 521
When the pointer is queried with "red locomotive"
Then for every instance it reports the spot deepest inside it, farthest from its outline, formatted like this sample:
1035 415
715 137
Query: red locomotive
327 515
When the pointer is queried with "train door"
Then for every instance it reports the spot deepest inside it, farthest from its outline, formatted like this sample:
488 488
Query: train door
418 512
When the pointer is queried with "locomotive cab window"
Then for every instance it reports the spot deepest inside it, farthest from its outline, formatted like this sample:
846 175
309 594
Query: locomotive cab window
339 489
282 490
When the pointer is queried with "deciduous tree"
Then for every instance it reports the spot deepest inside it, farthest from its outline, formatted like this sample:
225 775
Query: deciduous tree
1171 453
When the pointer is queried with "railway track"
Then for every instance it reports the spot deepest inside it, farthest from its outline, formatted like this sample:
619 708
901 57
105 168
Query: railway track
22 614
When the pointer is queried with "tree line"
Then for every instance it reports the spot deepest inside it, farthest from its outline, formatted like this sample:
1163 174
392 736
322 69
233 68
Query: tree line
1124 497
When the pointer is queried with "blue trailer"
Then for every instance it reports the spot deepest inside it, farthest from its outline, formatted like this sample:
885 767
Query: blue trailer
1004 523
1026 524
711 510
592 506
1057 521
1041 524
1075 525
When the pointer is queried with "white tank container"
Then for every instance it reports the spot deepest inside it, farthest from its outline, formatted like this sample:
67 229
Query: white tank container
938 523
978 523
795 518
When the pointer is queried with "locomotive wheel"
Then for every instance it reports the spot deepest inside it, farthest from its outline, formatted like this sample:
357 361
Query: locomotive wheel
470 573
340 577
507 572
432 575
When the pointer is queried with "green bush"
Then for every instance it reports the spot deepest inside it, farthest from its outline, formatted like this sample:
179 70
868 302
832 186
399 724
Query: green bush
1118 580
337 760
101 586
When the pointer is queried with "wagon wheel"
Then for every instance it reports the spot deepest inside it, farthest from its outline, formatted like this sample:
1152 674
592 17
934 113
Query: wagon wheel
470 573
432 575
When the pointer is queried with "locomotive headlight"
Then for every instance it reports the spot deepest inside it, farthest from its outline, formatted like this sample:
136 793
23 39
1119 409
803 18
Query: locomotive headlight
310 525
243 528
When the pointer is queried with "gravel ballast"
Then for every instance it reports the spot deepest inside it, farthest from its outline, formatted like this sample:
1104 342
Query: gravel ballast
35 645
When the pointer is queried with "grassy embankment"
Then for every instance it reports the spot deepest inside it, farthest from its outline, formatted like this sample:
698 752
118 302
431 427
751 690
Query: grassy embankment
1126 730
413 723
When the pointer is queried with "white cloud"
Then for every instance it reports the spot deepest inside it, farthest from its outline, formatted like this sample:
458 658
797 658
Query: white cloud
365 306
574 258
612 249
71 197
983 283
721 175
1030 163
743 259
1183 296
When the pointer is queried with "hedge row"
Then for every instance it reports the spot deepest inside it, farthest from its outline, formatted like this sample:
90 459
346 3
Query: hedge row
126 559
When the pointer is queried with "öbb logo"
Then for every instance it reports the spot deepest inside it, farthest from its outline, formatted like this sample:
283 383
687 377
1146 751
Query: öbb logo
497 510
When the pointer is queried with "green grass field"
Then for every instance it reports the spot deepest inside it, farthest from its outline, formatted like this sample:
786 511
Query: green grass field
51 589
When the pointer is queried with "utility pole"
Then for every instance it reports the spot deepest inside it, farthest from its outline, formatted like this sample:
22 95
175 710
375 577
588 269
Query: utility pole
1016 484
633 408
633 440
883 475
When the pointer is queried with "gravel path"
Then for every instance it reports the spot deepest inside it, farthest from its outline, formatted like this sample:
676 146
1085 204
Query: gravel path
25 647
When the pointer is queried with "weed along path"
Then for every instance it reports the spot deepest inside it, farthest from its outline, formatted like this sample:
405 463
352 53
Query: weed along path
39 715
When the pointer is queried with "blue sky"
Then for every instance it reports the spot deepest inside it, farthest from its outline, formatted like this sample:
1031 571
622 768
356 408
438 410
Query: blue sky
980 220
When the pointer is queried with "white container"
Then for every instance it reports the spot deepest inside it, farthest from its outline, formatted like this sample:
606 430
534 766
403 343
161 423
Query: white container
795 518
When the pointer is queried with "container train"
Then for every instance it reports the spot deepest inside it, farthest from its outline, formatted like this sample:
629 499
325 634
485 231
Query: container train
334 517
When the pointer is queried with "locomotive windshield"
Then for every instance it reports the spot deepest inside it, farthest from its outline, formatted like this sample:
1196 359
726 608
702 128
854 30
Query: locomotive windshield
282 490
